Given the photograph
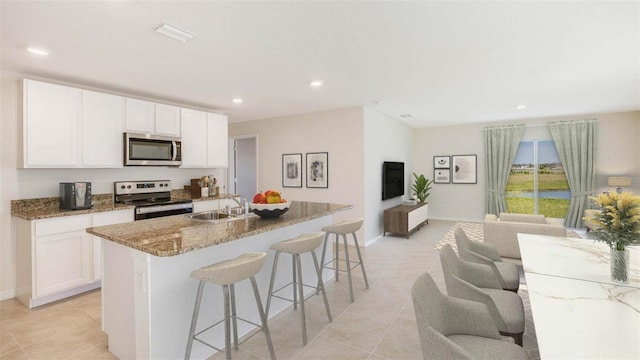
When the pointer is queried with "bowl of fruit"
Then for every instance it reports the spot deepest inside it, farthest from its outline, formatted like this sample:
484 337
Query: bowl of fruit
269 204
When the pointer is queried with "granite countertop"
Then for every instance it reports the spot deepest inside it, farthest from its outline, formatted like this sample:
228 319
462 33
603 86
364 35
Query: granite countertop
48 208
174 235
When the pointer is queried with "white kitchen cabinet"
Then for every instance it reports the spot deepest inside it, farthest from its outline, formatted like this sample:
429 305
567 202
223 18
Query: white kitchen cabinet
194 138
56 258
51 125
102 129
217 141
167 120
102 219
140 116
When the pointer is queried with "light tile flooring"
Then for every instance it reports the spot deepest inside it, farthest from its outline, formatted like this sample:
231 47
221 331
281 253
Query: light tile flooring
380 323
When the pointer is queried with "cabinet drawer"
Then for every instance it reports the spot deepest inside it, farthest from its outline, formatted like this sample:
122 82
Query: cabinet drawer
62 225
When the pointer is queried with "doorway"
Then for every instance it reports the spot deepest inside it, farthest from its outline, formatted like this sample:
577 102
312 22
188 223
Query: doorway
243 169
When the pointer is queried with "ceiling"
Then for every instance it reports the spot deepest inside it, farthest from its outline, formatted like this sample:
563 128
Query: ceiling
439 62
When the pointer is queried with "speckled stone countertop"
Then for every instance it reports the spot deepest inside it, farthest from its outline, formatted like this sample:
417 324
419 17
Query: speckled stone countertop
48 208
174 235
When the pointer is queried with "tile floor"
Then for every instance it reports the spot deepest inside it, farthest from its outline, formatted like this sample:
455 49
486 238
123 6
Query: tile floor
380 324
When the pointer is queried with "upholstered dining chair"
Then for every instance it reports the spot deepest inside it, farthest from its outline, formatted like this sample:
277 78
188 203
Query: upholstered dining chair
484 253
477 282
452 328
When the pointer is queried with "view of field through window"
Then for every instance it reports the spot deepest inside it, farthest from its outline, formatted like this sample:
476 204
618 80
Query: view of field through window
537 183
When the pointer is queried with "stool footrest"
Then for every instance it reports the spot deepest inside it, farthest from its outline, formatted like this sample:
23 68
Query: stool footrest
257 330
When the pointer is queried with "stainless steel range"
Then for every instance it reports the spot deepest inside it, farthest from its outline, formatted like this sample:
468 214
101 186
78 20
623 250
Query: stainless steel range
152 199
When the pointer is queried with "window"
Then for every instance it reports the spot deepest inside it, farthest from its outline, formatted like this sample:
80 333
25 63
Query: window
537 183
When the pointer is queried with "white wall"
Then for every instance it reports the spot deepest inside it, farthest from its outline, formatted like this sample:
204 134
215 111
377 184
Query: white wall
35 183
385 139
617 154
338 132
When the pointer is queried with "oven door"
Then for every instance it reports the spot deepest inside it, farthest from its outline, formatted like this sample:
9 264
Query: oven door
152 150
154 211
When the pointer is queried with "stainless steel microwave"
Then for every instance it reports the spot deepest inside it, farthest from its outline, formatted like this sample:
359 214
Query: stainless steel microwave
152 150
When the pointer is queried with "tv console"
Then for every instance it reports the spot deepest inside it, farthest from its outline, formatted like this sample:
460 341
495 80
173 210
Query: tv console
405 219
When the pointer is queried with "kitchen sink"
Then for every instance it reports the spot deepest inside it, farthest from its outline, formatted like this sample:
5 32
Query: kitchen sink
220 215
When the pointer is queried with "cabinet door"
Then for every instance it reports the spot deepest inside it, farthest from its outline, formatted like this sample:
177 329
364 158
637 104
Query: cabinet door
194 138
140 116
51 116
217 141
107 218
167 120
418 216
103 123
60 262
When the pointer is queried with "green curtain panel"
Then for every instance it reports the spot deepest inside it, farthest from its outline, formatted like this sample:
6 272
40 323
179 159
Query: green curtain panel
576 144
501 144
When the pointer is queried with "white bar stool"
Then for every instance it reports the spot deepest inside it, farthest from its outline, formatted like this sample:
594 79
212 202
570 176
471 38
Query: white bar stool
296 246
343 228
227 273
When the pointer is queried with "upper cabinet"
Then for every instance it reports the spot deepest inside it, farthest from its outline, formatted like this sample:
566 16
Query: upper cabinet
217 140
147 117
140 116
103 124
51 125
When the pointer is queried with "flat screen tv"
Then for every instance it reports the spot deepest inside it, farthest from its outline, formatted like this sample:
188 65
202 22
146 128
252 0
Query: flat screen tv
392 179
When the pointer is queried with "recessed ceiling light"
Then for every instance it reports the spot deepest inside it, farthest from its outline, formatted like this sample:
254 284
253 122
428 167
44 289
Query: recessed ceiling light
316 83
37 51
405 115
175 32
520 107
237 100
378 102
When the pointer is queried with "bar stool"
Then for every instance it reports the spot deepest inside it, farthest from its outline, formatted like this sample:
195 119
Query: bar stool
343 228
227 273
296 246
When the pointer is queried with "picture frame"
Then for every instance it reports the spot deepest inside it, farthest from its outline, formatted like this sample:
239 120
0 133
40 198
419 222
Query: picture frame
464 169
442 162
292 170
441 176
318 170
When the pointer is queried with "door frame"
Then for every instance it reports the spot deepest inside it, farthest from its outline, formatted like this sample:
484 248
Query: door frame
231 170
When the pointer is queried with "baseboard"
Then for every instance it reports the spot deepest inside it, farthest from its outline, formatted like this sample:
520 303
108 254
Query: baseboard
7 294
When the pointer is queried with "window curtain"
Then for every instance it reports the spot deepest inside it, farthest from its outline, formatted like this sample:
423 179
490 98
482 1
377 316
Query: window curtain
501 145
576 144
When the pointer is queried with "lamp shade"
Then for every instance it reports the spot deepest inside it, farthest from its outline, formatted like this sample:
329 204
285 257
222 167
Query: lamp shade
619 181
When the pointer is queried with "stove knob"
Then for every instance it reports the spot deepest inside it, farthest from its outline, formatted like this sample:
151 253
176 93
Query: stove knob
121 186
166 185
128 186
161 185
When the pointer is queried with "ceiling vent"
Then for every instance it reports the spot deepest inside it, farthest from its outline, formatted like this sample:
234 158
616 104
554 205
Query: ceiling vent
175 32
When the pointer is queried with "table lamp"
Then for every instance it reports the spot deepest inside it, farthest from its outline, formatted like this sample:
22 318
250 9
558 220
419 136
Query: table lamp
619 181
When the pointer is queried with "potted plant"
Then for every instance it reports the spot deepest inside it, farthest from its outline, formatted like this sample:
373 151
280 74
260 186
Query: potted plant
616 222
421 187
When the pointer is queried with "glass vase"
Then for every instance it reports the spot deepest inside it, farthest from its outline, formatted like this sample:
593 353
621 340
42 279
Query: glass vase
620 265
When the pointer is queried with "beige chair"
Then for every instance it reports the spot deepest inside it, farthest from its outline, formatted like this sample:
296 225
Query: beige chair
305 243
502 233
477 282
226 274
483 253
452 328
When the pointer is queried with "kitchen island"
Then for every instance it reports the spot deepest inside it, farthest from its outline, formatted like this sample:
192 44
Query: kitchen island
148 293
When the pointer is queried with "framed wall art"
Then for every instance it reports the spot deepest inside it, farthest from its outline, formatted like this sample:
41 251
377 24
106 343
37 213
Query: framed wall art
441 176
464 169
441 162
318 170
292 170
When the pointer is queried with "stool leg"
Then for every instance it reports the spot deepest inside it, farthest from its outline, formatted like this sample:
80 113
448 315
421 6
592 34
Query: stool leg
194 320
263 318
227 323
273 278
355 241
324 251
234 316
337 257
295 296
346 256
321 284
296 259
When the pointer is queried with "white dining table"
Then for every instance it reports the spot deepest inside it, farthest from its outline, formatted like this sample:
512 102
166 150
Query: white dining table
578 312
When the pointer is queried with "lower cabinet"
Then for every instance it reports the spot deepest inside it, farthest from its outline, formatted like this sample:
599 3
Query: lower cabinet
56 258
405 219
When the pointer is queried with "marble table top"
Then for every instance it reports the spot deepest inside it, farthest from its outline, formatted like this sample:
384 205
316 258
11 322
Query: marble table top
578 312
